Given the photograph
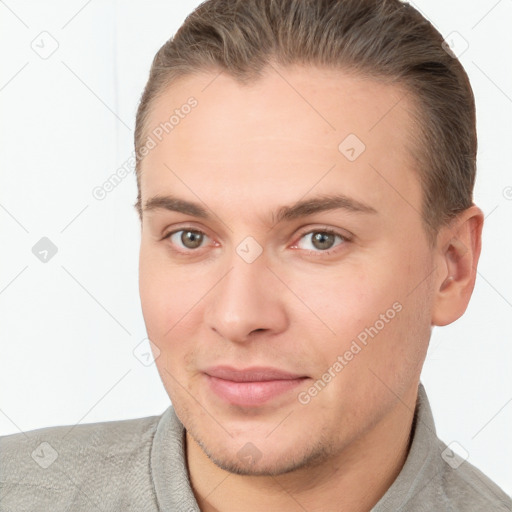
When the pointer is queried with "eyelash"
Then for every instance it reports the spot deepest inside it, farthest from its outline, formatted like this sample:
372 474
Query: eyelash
324 230
344 238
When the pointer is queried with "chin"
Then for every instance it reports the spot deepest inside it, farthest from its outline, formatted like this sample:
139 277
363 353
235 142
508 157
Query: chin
262 458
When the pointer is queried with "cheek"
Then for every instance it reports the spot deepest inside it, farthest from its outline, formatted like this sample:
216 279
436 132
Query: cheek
150 289
160 301
370 303
171 301
394 325
166 303
342 301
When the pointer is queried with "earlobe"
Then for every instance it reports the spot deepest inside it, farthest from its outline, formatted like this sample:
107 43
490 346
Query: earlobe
459 246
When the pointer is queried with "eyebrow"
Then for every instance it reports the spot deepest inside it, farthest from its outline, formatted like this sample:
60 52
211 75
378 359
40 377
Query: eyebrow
301 208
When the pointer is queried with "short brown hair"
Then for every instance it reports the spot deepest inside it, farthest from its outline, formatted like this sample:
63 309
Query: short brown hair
381 39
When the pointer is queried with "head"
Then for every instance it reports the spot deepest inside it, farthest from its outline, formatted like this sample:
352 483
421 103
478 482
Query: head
305 174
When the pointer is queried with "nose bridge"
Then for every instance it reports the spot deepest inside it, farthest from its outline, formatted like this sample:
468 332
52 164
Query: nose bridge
240 285
243 301
241 288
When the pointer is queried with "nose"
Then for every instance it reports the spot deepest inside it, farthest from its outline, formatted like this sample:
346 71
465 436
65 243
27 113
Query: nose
248 300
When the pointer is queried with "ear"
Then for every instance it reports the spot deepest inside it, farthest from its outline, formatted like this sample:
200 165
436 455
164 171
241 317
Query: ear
456 259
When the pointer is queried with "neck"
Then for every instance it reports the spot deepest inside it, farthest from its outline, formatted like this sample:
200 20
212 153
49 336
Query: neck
355 479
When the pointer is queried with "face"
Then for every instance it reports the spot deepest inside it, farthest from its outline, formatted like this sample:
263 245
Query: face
284 268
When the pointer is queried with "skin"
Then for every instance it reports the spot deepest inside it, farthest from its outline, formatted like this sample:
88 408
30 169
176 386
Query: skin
242 154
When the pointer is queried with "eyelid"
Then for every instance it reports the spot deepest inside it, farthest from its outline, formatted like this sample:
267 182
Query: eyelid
345 236
187 227
185 250
325 229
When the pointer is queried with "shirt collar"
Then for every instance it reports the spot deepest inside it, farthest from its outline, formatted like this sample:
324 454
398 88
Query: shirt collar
420 467
172 485
169 466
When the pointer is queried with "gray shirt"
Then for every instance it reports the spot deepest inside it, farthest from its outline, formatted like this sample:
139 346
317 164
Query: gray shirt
140 465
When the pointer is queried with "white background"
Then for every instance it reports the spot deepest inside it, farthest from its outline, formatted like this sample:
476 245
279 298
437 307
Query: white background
69 326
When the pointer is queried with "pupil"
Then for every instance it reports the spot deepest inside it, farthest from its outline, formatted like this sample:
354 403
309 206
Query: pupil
191 239
323 240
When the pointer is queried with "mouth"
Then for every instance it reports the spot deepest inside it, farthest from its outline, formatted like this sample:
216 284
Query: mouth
251 387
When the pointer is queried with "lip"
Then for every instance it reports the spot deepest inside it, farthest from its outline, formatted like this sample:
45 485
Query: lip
251 387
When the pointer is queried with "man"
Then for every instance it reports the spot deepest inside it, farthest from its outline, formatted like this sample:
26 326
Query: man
305 174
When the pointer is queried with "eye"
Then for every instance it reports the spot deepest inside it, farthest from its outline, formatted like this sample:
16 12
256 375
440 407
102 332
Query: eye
321 240
187 238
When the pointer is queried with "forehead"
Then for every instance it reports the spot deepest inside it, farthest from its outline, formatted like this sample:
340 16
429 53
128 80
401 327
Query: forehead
281 134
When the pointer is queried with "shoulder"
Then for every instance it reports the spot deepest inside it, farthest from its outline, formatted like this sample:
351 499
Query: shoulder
434 477
58 466
464 487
